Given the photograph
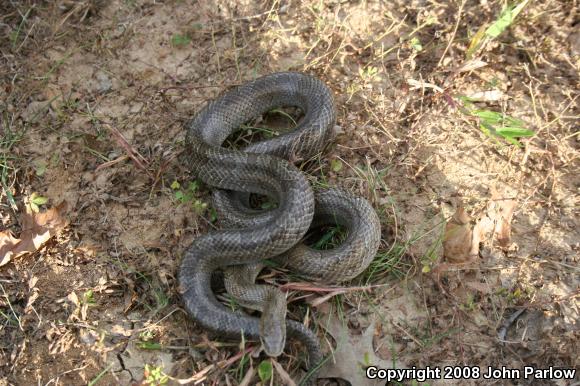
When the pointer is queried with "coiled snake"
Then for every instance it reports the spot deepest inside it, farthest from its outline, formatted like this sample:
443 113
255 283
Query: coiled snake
252 236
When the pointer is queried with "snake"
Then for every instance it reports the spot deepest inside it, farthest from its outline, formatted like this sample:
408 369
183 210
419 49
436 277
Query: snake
268 168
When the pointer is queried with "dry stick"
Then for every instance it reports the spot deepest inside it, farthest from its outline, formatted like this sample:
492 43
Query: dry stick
453 34
139 160
311 287
202 374
112 162
248 377
285 377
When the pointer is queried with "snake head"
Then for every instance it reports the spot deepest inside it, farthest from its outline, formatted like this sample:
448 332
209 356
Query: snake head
273 337
273 326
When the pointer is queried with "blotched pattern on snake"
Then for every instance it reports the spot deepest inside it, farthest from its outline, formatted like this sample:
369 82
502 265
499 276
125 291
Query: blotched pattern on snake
250 236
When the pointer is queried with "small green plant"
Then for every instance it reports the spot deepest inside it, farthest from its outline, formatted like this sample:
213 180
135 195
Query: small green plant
386 263
494 124
14 35
244 363
415 44
268 204
431 257
146 341
40 167
180 41
13 319
154 375
8 160
336 165
265 371
469 304
369 73
35 201
329 237
146 335
88 298
158 296
100 375
188 196
284 114
258 130
486 33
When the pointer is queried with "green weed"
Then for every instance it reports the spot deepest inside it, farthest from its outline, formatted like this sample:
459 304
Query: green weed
432 255
179 41
100 375
188 196
486 33
15 35
7 158
328 237
265 371
388 262
469 304
494 124
146 341
35 201
157 298
244 362
154 375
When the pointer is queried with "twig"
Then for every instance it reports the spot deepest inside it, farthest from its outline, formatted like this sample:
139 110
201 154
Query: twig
453 34
139 160
314 288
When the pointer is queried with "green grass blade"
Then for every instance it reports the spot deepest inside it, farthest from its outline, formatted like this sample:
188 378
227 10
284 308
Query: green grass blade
506 18
509 131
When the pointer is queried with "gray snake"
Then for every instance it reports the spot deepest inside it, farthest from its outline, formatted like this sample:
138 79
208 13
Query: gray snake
252 236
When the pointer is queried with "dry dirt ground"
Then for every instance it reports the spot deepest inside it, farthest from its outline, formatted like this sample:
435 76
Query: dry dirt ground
93 100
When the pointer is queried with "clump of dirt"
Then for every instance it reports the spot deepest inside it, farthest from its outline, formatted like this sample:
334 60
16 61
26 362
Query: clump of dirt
94 99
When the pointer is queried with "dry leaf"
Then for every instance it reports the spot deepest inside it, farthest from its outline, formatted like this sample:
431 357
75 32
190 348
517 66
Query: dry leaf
7 244
503 215
470 65
487 96
37 229
460 243
497 220
352 355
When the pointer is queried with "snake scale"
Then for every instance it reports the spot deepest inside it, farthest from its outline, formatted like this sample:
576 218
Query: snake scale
250 236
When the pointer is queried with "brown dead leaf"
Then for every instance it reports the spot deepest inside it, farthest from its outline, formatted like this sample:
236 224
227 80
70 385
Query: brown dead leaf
460 243
353 354
7 244
502 211
37 229
496 223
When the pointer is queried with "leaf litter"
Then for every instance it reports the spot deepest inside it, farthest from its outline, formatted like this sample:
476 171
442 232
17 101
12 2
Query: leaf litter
37 229
353 354
463 237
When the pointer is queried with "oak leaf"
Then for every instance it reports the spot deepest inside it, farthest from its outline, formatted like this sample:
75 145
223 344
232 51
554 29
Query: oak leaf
353 354
37 229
